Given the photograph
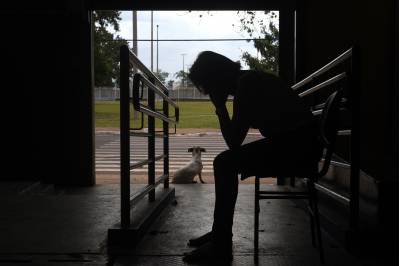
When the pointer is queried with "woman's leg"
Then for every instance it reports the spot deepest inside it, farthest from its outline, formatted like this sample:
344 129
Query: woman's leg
226 190
219 248
227 165
262 157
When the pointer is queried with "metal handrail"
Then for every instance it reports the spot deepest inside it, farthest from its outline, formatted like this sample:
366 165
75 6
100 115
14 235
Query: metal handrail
345 200
148 111
153 87
140 194
341 58
135 61
350 81
139 80
144 134
343 102
328 82
319 111
128 60
144 162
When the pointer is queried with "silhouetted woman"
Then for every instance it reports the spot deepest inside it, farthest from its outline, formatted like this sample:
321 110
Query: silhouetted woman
261 101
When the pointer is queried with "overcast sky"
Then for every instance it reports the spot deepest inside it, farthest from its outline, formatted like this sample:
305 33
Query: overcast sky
186 25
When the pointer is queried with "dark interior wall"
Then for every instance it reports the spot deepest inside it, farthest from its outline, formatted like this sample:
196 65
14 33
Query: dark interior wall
192 5
46 96
328 28
331 27
78 126
29 75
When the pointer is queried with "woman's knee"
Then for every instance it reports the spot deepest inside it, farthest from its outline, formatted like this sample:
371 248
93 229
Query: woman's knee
224 161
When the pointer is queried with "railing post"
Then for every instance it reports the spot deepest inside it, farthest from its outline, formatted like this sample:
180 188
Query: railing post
124 135
166 141
151 142
355 141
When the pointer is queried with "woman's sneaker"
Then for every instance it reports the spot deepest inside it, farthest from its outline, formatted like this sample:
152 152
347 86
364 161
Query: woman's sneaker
210 252
199 241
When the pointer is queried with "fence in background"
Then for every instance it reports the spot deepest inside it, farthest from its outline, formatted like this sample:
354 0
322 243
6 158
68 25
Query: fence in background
106 93
113 94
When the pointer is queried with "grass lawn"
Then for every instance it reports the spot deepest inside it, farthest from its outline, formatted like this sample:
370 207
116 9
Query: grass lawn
192 115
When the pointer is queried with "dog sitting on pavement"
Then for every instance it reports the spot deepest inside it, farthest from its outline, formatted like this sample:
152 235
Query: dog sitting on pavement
186 174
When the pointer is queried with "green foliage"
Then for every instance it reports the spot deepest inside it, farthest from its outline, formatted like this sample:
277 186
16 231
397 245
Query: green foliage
182 75
170 83
268 44
161 75
106 47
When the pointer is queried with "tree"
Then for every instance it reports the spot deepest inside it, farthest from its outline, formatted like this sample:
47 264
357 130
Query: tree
170 83
267 46
106 47
184 76
161 75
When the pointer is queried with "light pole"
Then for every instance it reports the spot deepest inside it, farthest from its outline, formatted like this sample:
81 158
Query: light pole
151 40
134 32
134 48
193 94
157 52
183 73
183 70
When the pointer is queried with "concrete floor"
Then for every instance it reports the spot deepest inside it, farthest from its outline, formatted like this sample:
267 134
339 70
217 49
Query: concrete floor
41 225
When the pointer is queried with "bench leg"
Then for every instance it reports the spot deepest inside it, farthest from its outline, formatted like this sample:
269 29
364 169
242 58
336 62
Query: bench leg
311 213
317 222
256 213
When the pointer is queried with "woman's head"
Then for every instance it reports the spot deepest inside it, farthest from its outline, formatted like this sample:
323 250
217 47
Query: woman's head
212 70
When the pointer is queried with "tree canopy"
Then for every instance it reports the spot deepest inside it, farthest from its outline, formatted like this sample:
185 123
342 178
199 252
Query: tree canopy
106 47
184 77
253 23
267 45
161 75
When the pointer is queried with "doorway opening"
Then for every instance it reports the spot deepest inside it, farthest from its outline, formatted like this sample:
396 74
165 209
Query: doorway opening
168 42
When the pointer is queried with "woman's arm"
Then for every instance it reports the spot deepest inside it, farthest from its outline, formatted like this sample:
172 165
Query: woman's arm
233 130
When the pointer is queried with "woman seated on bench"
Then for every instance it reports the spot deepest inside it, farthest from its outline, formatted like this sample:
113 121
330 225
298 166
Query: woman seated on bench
261 101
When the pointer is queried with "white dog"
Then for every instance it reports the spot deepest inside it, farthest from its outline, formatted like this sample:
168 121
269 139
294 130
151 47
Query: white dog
186 174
